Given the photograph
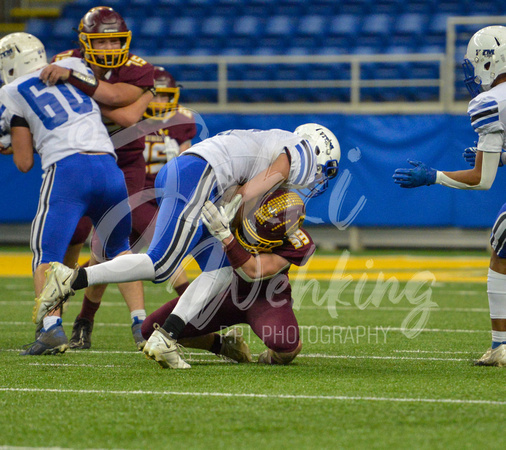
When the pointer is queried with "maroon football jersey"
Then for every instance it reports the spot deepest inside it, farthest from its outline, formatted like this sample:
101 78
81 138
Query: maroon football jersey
297 250
135 71
183 129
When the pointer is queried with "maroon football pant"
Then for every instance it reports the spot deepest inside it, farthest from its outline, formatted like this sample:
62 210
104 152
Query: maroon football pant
276 325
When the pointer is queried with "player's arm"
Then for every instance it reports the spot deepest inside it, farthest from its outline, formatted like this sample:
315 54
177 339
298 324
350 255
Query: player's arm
22 144
250 267
118 94
127 116
185 146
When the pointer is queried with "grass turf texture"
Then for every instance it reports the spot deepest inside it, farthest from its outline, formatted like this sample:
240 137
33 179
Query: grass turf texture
352 387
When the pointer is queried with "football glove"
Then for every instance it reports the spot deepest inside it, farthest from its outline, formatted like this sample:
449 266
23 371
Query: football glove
470 156
420 175
217 220
171 148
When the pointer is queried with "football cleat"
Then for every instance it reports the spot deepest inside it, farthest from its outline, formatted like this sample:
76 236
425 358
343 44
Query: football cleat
81 334
493 357
164 350
234 347
137 334
271 357
50 342
55 292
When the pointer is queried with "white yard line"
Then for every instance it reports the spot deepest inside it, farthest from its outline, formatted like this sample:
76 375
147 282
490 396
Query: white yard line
260 396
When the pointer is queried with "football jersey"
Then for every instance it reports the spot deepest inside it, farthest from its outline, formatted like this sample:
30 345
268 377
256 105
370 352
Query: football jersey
5 137
136 72
296 250
488 114
238 155
62 119
154 150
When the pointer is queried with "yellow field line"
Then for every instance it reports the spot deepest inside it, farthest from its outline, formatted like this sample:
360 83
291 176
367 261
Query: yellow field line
403 268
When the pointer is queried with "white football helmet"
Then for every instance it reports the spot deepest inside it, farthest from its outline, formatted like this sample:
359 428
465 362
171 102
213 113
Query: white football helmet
325 145
485 58
20 53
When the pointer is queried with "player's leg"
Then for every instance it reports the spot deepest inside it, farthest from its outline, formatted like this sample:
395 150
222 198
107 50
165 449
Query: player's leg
496 288
277 326
230 345
57 215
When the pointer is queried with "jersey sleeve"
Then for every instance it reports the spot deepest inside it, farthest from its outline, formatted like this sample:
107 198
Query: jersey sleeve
484 113
185 128
136 72
5 129
76 53
298 248
302 164
8 100
76 64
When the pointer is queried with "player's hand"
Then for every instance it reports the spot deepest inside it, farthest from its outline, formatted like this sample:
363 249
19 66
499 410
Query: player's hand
52 74
470 155
6 150
171 148
217 220
420 175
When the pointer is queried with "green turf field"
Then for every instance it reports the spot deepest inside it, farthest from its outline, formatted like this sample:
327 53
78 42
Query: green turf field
362 379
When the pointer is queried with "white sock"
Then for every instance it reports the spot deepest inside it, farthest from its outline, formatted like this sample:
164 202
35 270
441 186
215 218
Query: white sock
199 295
122 269
49 321
498 336
139 314
496 290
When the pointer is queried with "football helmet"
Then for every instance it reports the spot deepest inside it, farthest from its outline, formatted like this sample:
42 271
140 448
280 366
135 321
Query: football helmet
328 153
485 58
20 53
103 22
280 214
165 84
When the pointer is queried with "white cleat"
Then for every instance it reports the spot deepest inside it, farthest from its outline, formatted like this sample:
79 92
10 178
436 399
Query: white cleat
234 347
495 357
55 292
164 350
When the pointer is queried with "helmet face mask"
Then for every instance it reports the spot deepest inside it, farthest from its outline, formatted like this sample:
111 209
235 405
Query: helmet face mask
20 53
485 59
165 86
104 23
280 214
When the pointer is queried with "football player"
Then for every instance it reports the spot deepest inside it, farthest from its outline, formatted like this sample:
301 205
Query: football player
104 40
65 127
261 251
485 76
259 161
160 147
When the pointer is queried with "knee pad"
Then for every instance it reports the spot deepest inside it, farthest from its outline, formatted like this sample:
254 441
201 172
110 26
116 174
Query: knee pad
496 289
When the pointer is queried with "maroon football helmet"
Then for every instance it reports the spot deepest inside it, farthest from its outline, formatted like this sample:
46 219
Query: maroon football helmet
103 22
167 95
280 214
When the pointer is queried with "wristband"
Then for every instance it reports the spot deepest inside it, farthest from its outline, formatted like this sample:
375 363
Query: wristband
85 83
153 91
236 254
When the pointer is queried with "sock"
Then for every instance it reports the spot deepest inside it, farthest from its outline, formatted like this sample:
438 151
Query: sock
49 321
81 281
88 309
216 347
138 316
174 325
122 269
498 338
181 288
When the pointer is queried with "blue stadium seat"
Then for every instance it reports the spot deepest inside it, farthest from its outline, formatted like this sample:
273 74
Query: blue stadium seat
248 26
65 29
280 25
411 23
215 26
377 25
312 25
345 25
183 26
152 27
40 28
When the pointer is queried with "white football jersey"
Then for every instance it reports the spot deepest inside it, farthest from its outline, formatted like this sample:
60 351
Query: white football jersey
62 119
5 132
488 115
236 156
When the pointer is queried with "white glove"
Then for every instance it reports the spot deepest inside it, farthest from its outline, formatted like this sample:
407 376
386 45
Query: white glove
217 220
171 148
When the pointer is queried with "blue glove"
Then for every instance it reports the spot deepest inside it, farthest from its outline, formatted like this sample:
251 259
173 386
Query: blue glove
470 155
420 175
